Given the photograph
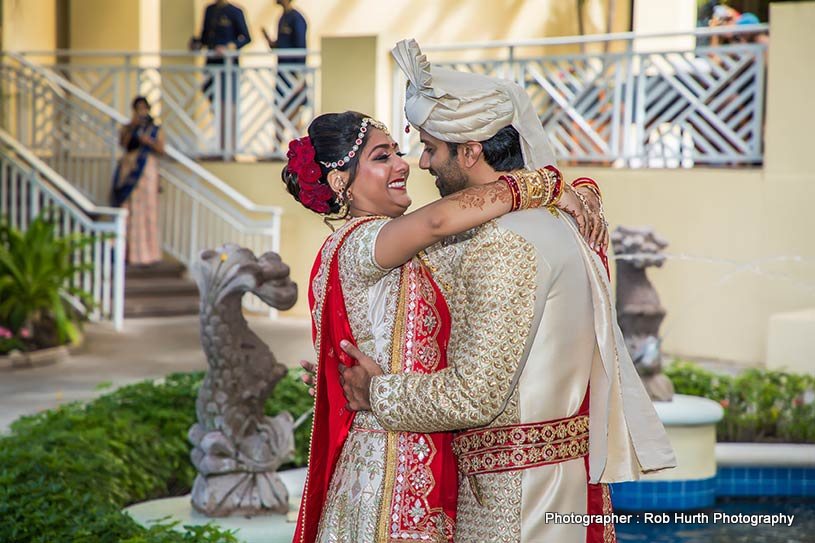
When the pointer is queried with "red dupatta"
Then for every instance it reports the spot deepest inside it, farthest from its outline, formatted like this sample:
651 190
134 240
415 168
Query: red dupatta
421 334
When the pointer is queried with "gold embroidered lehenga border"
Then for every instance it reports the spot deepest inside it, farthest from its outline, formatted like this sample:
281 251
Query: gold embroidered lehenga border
405 514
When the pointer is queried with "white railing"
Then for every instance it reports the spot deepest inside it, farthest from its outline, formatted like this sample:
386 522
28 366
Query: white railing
623 105
77 136
267 103
29 187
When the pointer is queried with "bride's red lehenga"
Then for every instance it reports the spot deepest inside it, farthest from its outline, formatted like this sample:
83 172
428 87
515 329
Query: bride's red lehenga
363 483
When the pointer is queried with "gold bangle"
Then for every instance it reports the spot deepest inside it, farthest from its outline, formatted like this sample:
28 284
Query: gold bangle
537 190
552 180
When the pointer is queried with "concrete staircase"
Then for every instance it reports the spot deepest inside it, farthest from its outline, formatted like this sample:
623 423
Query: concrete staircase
162 290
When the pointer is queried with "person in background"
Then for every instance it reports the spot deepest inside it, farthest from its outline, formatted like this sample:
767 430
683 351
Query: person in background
224 30
723 16
135 184
748 18
291 92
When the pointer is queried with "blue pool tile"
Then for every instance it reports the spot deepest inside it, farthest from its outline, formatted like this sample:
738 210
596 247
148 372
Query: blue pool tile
765 481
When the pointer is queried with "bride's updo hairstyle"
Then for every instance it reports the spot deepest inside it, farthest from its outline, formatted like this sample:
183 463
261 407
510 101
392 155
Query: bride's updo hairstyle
334 142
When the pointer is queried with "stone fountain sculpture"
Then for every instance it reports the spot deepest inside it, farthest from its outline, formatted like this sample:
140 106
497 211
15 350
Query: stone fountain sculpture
639 311
237 448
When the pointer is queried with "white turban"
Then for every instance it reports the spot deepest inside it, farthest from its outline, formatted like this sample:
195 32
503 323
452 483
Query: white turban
461 106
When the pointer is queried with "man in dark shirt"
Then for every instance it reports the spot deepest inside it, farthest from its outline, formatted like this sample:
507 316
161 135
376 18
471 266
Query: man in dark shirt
291 91
224 26
224 29
291 33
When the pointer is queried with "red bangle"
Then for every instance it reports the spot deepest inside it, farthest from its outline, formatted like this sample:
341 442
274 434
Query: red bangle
514 189
558 188
554 170
583 181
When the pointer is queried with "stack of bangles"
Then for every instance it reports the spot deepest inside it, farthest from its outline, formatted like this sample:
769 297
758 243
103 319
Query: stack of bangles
532 189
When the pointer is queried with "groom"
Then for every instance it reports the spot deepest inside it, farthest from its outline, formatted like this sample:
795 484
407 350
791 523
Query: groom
539 381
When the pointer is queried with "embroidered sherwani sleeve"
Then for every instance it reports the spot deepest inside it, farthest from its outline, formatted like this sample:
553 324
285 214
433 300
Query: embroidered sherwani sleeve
498 278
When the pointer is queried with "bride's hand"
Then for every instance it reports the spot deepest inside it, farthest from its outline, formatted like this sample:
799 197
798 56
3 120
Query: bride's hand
571 203
598 233
309 376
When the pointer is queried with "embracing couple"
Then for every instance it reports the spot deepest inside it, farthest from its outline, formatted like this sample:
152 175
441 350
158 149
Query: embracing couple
471 376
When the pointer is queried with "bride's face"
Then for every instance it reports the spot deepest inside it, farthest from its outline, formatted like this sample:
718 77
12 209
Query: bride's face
380 184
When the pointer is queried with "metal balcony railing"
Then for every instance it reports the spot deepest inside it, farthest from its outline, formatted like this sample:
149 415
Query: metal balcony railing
629 100
250 105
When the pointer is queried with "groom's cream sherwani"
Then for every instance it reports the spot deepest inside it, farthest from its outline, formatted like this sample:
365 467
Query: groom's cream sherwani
534 329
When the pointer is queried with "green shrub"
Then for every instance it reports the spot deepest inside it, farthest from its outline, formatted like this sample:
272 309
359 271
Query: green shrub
759 405
65 474
36 268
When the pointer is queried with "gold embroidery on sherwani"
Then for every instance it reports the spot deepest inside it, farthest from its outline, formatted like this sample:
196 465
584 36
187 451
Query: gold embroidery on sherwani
498 274
492 302
499 519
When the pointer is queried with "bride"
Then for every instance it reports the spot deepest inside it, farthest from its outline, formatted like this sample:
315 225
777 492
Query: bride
369 285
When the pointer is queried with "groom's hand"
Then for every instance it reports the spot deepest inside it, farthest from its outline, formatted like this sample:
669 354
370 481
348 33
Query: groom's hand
356 380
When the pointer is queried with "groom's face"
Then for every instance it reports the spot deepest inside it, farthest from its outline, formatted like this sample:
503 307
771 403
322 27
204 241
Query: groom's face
442 164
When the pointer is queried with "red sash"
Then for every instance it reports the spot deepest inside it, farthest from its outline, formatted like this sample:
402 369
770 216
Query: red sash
421 334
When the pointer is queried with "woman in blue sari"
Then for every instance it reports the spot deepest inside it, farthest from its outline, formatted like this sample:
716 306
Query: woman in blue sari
136 185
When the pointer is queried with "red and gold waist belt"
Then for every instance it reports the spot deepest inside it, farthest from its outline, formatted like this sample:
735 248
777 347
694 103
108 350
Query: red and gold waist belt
521 446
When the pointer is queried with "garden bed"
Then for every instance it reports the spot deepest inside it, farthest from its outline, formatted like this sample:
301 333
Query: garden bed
760 406
66 474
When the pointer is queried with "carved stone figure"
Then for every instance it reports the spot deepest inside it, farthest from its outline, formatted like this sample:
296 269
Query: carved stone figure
639 311
237 448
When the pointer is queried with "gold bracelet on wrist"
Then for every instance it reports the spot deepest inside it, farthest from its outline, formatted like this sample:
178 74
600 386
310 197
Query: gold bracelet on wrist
537 187
551 180
582 199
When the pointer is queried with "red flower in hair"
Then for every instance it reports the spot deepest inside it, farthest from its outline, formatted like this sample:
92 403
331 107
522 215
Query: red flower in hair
301 152
309 174
316 197
313 194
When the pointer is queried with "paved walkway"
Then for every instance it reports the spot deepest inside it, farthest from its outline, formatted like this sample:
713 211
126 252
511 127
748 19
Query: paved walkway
145 349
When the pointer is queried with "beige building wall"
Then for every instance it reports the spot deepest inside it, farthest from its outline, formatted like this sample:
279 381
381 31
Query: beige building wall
29 25
661 17
105 25
177 19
